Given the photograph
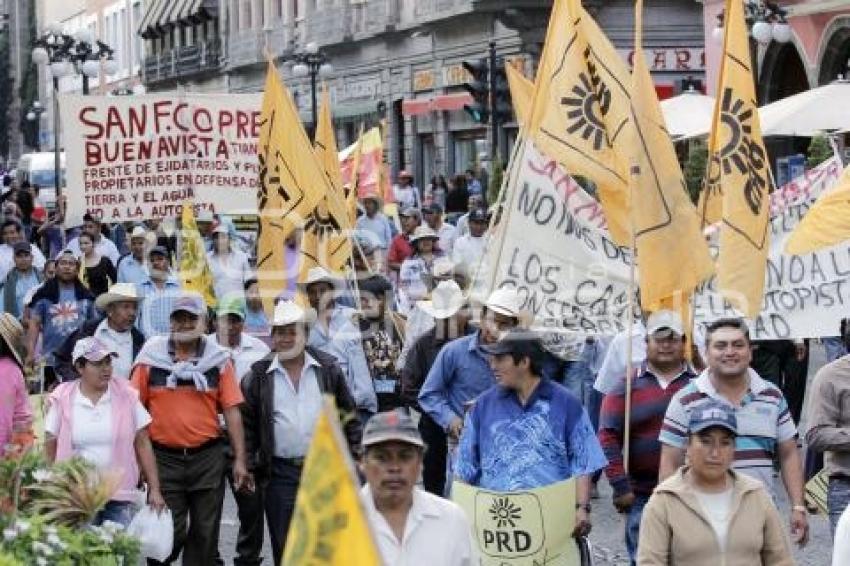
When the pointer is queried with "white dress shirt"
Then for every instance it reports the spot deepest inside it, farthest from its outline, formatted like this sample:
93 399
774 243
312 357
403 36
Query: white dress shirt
122 342
229 273
295 411
613 368
436 533
249 351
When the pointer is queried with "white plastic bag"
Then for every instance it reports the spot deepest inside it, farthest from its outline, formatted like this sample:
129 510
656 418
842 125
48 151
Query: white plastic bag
155 532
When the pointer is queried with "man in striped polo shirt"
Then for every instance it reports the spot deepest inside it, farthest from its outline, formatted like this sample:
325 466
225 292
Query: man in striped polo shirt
656 381
765 426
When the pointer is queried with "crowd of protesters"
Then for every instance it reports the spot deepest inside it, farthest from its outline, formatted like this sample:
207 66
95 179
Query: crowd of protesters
435 384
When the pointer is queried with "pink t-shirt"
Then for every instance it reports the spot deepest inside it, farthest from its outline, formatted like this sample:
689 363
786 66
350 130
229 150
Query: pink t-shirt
15 409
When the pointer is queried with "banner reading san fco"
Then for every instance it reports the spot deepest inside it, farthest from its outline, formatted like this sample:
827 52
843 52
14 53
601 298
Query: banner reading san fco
140 157
522 528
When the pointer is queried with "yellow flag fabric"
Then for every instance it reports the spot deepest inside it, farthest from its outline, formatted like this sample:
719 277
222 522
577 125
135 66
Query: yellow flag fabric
522 93
827 223
325 241
195 274
738 175
672 253
329 526
292 182
581 109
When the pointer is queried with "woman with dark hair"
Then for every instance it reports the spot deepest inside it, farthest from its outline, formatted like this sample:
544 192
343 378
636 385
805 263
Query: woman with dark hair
98 273
457 196
415 275
15 412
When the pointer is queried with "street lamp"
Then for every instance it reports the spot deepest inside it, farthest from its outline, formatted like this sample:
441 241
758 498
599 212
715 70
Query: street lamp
767 22
65 55
313 63
34 115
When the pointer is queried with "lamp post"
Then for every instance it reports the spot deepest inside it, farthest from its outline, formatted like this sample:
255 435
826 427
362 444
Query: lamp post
313 63
34 115
66 55
767 22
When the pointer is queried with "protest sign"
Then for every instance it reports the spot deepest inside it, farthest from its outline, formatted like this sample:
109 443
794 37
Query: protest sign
570 274
522 527
139 157
805 296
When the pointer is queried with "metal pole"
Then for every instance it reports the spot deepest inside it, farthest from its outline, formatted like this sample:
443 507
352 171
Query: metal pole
85 84
494 123
314 70
57 159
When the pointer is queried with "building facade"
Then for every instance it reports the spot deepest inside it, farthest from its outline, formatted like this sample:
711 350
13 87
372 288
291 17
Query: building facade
399 60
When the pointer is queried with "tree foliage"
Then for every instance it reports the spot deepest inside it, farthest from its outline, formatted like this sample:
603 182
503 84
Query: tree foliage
819 151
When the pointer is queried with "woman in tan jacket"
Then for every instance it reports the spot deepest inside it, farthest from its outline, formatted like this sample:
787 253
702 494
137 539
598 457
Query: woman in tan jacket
708 514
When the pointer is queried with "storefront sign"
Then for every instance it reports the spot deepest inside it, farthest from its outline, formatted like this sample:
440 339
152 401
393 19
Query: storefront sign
424 80
356 88
454 75
670 59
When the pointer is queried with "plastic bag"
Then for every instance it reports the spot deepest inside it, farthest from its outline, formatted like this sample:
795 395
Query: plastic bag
155 532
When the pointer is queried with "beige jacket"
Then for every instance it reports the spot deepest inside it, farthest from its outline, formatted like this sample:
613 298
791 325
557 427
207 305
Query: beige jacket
675 531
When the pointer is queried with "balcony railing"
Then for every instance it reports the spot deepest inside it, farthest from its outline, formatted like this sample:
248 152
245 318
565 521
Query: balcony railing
183 61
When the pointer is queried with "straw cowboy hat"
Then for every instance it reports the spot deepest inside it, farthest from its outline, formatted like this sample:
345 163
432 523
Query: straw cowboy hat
12 333
422 233
288 312
446 299
320 275
119 292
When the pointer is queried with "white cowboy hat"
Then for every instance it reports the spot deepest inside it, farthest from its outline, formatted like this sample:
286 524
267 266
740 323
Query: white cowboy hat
288 312
12 333
320 275
506 302
138 232
117 293
446 299
423 232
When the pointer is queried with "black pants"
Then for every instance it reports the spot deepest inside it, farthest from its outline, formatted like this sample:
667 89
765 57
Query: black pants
193 488
434 462
249 508
279 500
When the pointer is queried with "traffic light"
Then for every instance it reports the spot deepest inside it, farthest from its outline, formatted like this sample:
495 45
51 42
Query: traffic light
502 104
479 88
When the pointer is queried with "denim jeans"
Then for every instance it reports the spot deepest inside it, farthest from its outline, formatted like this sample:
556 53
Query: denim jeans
120 512
837 499
633 526
834 347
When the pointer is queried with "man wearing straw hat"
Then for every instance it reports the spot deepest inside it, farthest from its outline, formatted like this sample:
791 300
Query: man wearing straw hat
283 400
446 308
116 330
131 266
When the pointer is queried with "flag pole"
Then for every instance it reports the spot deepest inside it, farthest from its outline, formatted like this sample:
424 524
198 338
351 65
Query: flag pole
627 420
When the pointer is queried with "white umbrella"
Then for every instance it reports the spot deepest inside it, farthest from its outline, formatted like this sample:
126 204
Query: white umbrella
822 109
688 115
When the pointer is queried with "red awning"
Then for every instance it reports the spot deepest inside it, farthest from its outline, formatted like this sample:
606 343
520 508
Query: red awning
452 101
415 106
665 91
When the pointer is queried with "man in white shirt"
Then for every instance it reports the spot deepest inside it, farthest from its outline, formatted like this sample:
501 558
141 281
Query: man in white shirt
469 249
433 216
406 193
131 267
613 366
412 527
13 232
102 244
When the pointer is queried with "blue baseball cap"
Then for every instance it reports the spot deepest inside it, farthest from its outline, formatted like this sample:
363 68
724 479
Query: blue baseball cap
707 415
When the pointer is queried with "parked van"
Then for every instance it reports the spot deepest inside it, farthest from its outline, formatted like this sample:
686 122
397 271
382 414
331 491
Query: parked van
38 169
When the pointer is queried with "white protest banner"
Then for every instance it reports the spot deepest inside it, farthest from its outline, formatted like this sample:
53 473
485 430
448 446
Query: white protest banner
550 247
805 296
522 527
139 157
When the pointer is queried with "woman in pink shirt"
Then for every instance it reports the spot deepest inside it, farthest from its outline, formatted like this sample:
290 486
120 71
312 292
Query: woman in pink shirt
15 412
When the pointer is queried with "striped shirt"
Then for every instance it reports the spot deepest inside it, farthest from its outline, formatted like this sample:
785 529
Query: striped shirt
763 421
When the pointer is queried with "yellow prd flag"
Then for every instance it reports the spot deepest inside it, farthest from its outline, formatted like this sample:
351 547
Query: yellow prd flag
195 274
672 253
827 223
291 184
522 93
581 109
738 175
329 525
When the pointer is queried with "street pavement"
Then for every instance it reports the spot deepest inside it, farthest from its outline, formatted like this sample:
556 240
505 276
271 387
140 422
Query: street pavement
608 526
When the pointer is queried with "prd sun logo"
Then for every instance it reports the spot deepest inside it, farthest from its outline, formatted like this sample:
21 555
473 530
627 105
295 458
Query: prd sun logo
739 152
588 106
505 512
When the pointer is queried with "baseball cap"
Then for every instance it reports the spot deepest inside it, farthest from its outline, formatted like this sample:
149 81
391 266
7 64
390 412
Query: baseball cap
433 208
158 250
92 349
478 215
392 425
191 303
516 341
234 306
664 320
21 247
709 414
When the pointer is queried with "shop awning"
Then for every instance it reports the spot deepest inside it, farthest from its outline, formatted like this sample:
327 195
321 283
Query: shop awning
441 103
165 14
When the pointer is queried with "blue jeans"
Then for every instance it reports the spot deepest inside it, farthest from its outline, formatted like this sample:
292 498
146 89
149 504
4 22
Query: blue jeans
120 512
834 347
633 526
837 500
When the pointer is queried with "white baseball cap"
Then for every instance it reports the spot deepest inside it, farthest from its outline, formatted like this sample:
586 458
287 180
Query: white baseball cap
665 320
